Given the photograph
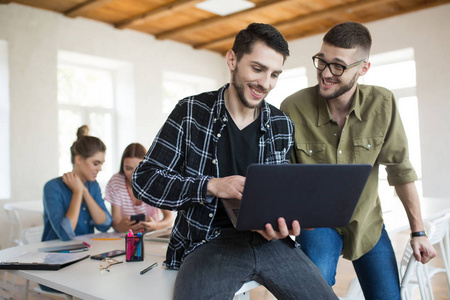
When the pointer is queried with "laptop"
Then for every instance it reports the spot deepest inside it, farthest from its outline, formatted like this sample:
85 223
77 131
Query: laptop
162 235
317 195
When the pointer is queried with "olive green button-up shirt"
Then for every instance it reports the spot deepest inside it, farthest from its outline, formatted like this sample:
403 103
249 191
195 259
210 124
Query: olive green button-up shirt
373 134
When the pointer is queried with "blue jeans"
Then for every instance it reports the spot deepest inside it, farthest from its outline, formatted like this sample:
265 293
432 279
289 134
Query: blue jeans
376 270
217 269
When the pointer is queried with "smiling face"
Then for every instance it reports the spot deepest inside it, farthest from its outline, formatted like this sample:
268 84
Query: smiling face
129 165
334 87
255 75
88 168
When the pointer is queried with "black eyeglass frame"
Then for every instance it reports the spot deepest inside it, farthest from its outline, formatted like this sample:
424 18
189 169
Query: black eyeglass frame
328 65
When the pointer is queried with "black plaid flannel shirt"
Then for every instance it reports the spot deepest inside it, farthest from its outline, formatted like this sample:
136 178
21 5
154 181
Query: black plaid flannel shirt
183 157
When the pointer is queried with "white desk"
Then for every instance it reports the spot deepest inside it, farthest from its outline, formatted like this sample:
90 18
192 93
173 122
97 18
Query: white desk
35 206
84 279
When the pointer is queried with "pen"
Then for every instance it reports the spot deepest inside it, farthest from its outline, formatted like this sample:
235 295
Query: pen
149 268
87 244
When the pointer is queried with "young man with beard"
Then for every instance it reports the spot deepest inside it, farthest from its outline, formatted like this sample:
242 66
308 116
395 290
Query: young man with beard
341 122
201 154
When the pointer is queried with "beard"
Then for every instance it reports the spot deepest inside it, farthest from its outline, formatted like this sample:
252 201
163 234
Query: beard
341 90
238 85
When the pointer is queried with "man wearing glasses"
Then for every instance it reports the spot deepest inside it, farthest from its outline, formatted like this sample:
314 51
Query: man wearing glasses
341 122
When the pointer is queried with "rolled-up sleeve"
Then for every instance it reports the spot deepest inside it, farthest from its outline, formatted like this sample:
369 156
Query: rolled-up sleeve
394 154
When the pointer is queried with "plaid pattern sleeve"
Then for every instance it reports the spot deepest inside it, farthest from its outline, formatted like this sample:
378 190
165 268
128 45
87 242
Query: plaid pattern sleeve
182 159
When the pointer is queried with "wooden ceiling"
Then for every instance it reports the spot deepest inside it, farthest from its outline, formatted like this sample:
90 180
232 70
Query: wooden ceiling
182 21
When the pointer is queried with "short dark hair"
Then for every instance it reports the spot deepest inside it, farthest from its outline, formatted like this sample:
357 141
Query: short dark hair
269 35
134 150
86 145
349 35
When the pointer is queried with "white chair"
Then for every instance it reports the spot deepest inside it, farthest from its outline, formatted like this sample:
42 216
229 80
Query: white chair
33 235
244 292
15 226
413 274
354 291
440 237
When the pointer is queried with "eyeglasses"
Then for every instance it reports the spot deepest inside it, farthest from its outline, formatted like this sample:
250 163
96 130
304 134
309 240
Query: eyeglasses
108 262
335 69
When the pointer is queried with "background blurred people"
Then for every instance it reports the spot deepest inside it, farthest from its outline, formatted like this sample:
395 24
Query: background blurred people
124 204
73 203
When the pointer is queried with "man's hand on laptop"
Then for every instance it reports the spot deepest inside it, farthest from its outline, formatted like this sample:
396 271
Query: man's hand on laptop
230 187
270 234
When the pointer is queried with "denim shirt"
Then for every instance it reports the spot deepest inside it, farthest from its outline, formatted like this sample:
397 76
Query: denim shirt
175 172
57 198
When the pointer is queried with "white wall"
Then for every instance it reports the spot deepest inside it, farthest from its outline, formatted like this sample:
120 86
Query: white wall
427 32
34 38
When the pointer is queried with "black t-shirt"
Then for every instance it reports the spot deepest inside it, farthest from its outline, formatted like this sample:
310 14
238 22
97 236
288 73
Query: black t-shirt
235 151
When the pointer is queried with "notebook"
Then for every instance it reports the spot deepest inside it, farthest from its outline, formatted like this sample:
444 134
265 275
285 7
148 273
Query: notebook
317 195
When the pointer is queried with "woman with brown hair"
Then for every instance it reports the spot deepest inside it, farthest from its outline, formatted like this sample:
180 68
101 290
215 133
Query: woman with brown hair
123 203
73 203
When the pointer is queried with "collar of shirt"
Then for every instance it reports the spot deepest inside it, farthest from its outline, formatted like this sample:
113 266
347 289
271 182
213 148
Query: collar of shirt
324 111
220 110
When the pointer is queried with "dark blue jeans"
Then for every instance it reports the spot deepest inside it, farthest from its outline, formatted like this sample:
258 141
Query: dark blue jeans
217 269
376 270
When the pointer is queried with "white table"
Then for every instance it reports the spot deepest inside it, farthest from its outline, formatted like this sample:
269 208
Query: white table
35 206
85 280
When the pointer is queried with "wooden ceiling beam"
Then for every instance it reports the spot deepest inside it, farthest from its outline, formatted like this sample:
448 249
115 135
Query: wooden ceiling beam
159 12
263 6
330 12
83 8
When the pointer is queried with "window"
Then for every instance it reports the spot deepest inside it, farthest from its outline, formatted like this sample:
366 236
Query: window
396 71
5 174
289 82
90 91
177 86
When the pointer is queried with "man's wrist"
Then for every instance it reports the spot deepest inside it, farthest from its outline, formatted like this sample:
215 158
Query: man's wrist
419 234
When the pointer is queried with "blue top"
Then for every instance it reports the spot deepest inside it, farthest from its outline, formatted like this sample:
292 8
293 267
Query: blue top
57 197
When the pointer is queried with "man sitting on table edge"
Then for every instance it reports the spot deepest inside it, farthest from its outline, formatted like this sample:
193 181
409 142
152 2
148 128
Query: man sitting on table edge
200 155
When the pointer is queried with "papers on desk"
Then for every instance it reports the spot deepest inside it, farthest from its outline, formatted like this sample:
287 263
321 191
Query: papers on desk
42 261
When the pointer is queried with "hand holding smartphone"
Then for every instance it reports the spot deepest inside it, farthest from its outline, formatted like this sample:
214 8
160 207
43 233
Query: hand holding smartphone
137 218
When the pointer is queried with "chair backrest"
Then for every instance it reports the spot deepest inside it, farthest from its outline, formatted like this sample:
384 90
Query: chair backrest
32 234
441 229
15 226
408 264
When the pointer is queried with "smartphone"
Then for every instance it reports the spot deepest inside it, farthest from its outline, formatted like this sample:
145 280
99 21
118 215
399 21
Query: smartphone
137 218
113 253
